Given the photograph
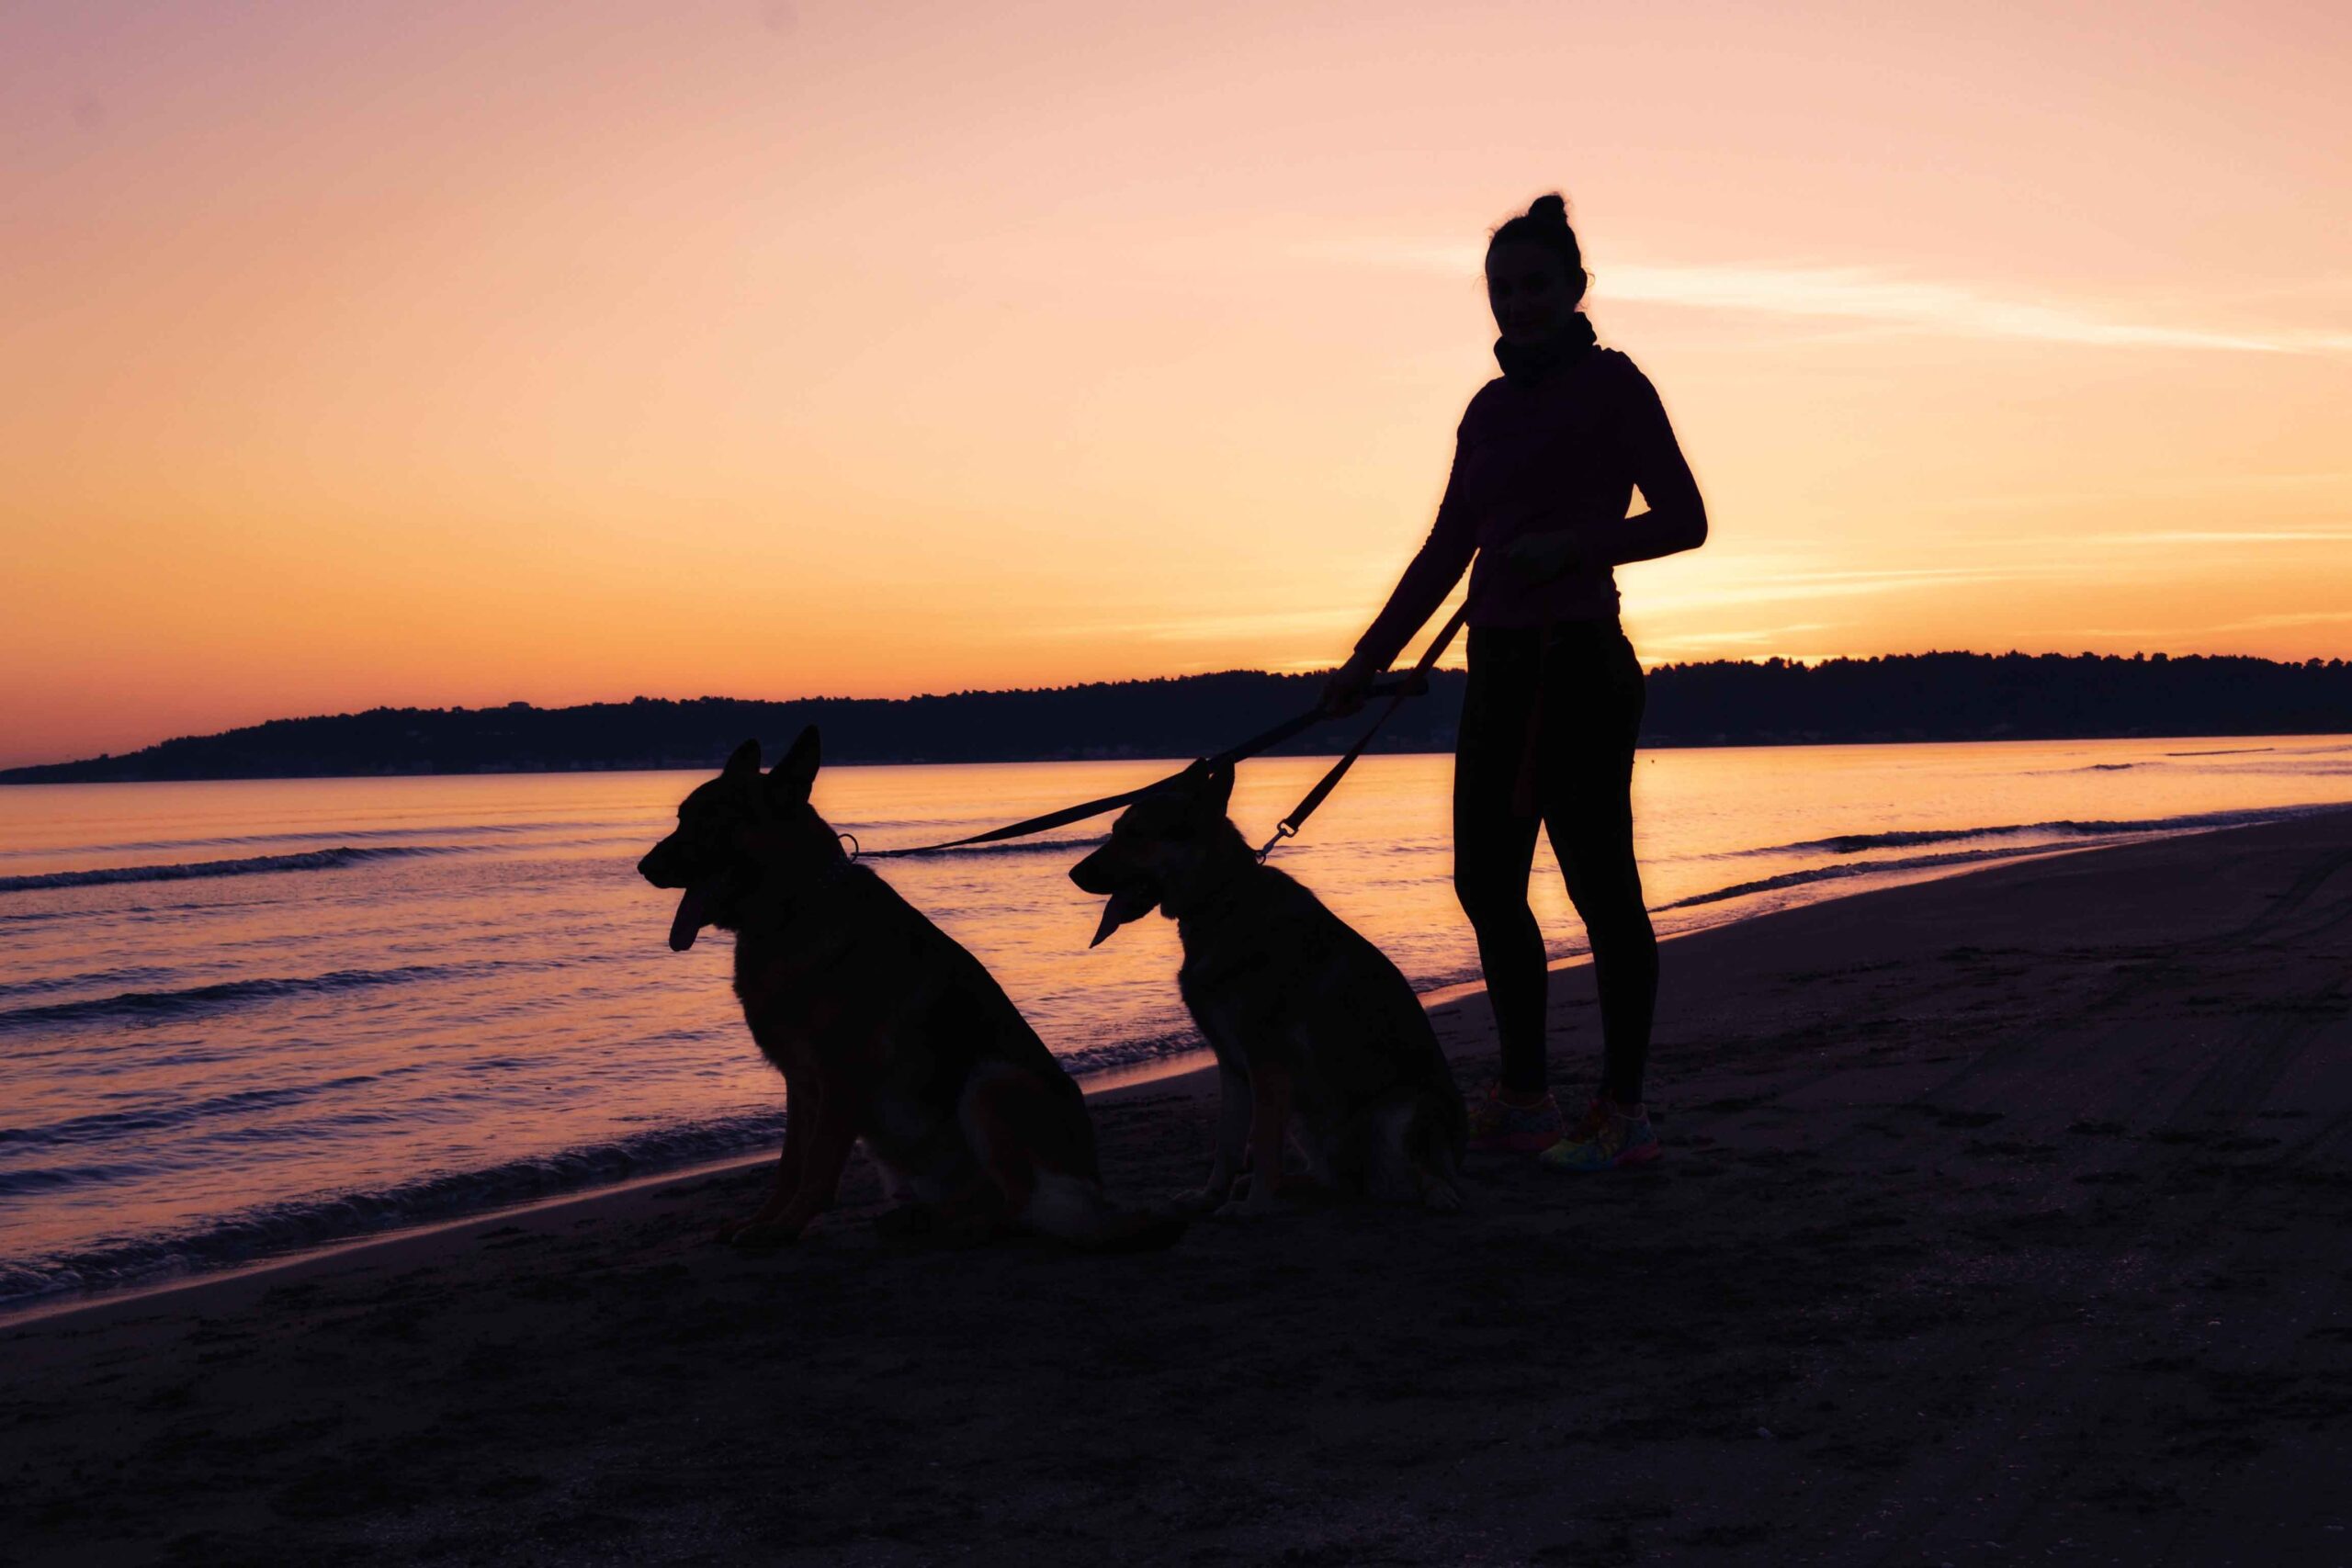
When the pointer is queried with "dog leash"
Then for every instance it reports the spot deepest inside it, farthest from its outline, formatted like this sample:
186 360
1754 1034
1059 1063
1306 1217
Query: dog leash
1396 689
1283 731
1412 685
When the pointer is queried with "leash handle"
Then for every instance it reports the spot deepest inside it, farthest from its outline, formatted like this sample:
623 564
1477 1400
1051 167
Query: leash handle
1411 686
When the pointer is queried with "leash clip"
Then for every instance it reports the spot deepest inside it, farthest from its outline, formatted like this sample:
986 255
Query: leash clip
1282 831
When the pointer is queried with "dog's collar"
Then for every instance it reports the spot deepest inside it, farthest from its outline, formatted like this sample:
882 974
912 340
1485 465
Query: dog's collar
835 873
1218 897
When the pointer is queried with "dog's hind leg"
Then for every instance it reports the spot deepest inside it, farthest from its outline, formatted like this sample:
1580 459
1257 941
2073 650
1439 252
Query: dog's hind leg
1021 1133
997 1111
1391 1175
1437 1165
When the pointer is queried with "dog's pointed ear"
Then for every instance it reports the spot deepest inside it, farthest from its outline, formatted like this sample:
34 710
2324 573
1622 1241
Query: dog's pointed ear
745 761
796 770
1216 789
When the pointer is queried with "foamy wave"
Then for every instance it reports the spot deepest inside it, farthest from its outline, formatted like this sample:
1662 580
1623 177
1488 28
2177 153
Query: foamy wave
2203 822
301 1224
1851 868
251 865
1862 843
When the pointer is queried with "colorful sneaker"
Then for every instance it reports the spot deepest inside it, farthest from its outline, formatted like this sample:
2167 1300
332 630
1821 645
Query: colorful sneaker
1498 1124
1610 1135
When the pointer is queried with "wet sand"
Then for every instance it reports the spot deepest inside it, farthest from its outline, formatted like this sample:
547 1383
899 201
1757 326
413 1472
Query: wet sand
2004 1220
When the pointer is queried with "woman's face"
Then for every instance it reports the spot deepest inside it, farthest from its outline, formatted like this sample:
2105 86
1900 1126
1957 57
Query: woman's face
1531 293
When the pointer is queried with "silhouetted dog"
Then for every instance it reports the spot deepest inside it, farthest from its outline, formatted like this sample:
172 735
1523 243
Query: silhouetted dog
885 1029
1315 1029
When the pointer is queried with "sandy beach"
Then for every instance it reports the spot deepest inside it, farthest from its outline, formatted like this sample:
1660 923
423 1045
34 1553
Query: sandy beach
2004 1220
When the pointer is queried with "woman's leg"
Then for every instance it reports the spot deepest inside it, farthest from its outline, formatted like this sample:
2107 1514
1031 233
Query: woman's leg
1493 844
1593 700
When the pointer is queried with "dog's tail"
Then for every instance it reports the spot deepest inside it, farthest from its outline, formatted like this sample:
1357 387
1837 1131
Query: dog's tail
1074 1210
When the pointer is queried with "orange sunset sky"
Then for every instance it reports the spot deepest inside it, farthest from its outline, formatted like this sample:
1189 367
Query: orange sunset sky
433 353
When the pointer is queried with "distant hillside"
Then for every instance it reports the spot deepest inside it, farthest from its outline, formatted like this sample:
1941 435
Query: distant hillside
1923 696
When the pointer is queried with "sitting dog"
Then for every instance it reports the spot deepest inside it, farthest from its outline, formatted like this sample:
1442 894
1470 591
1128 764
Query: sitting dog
1315 1029
885 1029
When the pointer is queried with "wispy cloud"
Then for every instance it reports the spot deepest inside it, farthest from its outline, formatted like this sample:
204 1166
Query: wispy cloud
1725 644
2286 620
2234 537
1766 588
1329 620
2172 487
1866 294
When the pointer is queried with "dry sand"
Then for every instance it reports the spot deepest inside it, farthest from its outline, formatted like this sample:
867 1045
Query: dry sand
2004 1221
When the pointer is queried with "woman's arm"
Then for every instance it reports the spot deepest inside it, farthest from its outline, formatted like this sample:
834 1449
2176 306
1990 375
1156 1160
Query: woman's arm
1429 577
1676 520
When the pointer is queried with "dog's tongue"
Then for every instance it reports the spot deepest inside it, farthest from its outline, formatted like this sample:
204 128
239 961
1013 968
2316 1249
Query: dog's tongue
693 913
1130 904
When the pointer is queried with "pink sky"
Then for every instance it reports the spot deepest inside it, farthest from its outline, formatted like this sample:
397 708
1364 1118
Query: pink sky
430 354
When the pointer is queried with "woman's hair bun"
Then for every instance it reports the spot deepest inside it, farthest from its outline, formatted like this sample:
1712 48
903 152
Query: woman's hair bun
1545 224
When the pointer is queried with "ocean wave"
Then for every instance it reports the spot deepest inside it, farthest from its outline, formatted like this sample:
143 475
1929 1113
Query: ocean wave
48 984
106 1127
298 1225
335 859
339 836
2063 827
224 993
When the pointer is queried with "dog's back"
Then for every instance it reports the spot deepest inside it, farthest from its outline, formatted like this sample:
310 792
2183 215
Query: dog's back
1273 974
1315 1029
868 980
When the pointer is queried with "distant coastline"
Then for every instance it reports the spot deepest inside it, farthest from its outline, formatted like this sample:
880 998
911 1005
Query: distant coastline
1901 697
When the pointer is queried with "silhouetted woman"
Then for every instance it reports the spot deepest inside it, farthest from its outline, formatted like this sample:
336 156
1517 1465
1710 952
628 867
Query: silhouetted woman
1546 463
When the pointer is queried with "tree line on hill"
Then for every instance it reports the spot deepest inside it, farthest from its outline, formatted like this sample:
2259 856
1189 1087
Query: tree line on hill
1901 697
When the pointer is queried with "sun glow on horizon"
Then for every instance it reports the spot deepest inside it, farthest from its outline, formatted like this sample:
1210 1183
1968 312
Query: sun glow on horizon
356 355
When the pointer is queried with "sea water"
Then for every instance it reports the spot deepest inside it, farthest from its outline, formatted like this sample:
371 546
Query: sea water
245 1018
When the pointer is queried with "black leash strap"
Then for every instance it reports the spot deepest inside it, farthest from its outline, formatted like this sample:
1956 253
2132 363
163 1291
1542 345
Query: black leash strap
1412 685
1397 689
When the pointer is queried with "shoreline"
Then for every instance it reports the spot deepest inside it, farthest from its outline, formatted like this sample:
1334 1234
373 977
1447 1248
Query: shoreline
1186 1074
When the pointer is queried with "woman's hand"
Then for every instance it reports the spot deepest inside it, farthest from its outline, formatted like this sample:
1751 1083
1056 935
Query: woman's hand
1343 694
1540 557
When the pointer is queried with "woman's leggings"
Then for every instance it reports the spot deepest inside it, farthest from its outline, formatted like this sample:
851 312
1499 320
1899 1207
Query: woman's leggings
1548 727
